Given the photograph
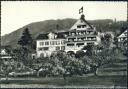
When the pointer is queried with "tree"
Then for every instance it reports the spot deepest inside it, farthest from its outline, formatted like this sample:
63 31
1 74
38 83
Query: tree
21 55
44 66
116 41
107 56
71 53
68 66
80 54
89 49
106 40
7 68
26 45
26 39
59 61
87 62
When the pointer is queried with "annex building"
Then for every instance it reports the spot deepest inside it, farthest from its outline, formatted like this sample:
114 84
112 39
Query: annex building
79 35
122 38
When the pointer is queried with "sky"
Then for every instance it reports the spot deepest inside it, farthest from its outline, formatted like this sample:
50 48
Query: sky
16 14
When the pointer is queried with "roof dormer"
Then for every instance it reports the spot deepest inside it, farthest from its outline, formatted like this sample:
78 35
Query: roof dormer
52 35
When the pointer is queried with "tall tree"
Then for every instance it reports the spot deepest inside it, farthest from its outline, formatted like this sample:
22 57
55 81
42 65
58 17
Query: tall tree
26 45
26 39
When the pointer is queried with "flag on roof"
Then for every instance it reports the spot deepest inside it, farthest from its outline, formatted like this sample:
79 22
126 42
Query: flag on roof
81 10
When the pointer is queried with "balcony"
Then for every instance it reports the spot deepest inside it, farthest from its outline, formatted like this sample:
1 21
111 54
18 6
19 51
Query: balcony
81 40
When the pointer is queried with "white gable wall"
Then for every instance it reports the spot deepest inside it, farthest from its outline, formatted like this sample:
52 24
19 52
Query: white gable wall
123 36
79 23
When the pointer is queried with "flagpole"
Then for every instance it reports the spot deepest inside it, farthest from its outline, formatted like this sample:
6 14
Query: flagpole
82 10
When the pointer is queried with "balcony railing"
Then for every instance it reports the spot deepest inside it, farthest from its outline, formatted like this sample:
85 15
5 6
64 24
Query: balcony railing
81 40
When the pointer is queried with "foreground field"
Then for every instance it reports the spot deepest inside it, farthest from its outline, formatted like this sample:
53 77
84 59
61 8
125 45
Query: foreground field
110 76
53 86
90 81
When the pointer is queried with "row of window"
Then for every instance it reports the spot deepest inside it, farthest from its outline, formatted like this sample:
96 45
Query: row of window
81 26
81 33
60 48
47 48
122 39
43 48
52 43
79 44
81 39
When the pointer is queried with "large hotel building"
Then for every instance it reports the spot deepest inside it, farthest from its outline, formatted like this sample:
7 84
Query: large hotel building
79 35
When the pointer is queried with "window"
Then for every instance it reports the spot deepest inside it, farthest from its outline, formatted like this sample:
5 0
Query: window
62 47
41 43
83 26
88 38
78 26
124 38
53 42
90 32
91 43
70 44
57 48
93 38
58 42
79 44
70 39
79 39
62 42
43 48
46 43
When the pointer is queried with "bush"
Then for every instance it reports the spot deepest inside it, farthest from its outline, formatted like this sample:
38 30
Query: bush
80 54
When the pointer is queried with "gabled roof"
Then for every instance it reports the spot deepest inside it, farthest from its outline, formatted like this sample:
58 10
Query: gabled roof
123 34
81 21
60 35
42 36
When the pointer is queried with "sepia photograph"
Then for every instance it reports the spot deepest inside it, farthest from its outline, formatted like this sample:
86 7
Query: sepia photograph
64 44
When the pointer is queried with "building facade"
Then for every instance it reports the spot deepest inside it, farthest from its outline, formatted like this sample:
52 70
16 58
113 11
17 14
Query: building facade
48 43
78 36
122 38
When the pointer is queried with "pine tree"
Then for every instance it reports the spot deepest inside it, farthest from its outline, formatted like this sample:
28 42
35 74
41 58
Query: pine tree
26 39
26 45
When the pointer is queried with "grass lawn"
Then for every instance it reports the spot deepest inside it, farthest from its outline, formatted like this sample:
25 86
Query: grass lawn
77 81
